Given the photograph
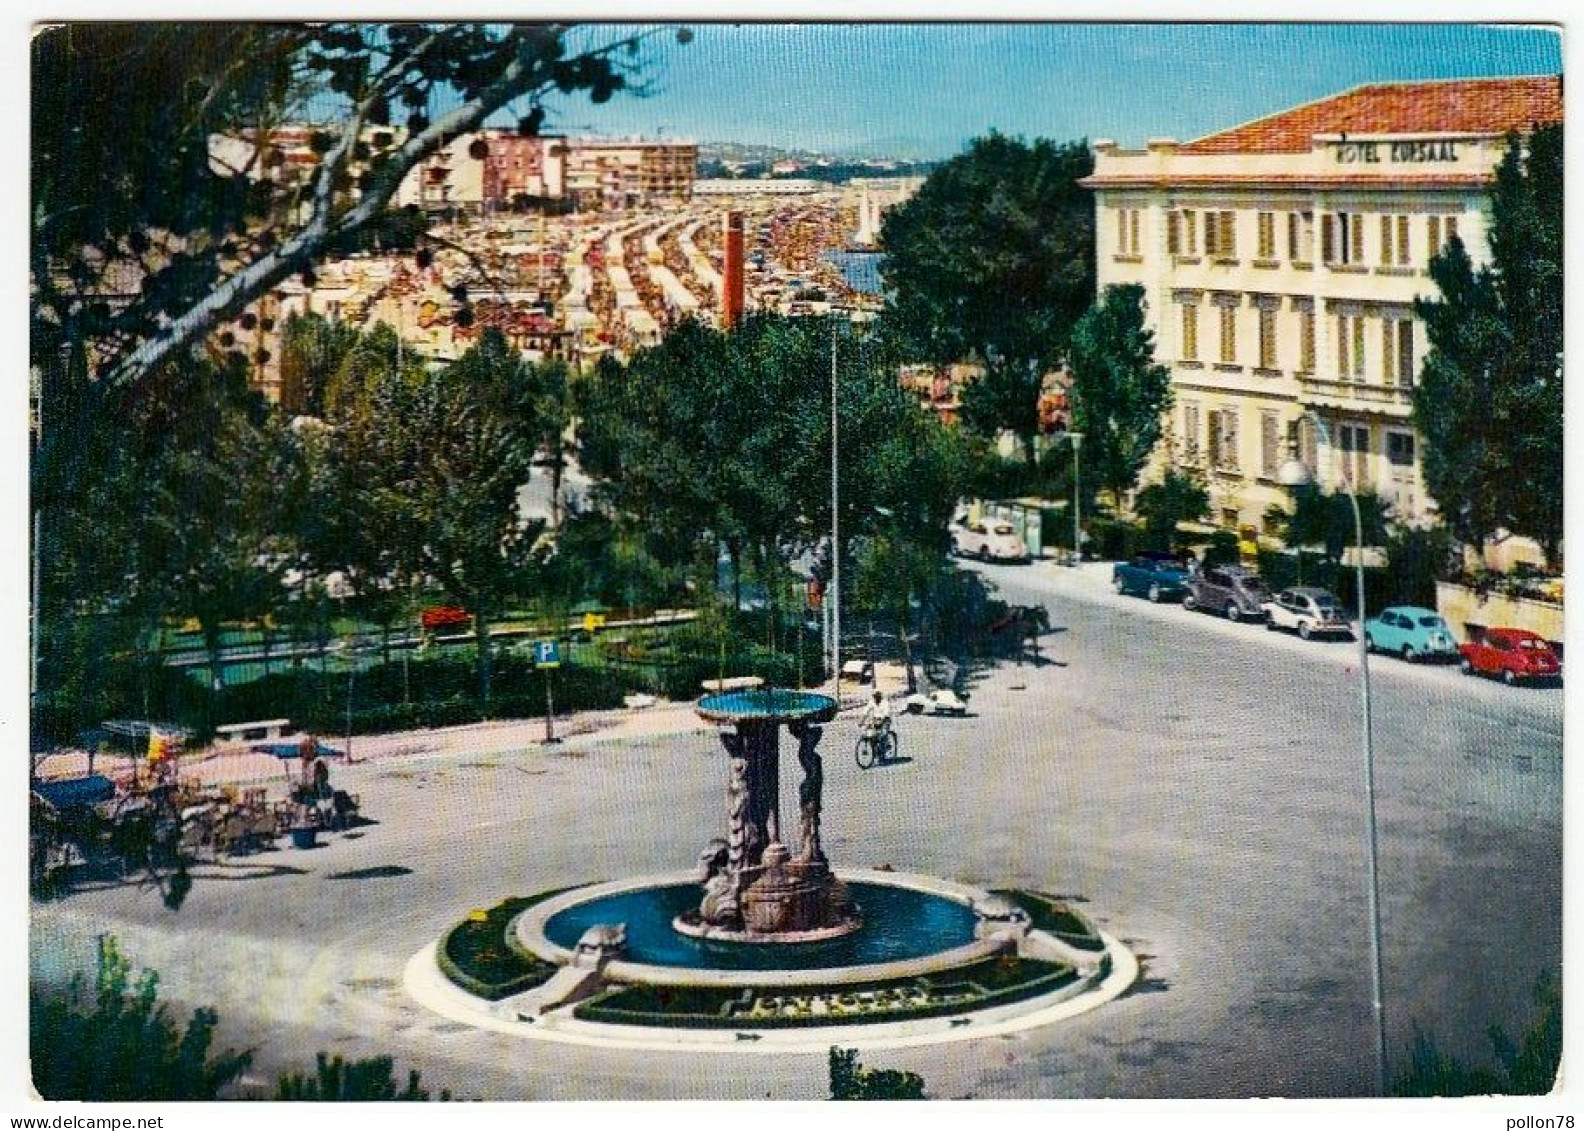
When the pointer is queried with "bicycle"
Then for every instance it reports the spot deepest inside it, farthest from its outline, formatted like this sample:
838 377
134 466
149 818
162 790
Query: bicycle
875 748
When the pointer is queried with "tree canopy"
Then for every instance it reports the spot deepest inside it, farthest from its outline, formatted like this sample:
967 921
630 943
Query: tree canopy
726 436
993 259
1489 399
434 460
1119 393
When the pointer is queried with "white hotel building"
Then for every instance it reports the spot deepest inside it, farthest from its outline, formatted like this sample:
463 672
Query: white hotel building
1280 260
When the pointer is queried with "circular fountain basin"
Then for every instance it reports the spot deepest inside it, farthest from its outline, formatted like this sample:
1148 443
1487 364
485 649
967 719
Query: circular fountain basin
911 925
767 705
899 923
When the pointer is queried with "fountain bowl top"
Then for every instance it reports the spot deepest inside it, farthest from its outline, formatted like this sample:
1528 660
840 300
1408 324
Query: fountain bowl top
767 705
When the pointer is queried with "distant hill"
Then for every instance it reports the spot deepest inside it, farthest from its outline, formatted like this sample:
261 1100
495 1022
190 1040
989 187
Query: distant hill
745 160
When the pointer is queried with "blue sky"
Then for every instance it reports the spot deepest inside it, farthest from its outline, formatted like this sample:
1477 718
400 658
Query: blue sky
922 90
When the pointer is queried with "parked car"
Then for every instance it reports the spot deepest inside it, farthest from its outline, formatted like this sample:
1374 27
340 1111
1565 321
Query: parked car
1154 574
1512 653
1231 590
990 540
1309 612
1411 632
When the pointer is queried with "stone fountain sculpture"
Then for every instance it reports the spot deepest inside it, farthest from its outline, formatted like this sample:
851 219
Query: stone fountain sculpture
755 888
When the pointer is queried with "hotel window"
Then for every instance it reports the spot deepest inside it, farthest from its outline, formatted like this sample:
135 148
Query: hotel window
1270 443
1267 337
1353 444
1267 235
1224 439
1306 341
1228 334
1400 449
1442 230
1350 346
1397 351
1190 432
1173 233
1309 446
1128 231
1394 241
1343 239
1300 236
1221 235
1190 331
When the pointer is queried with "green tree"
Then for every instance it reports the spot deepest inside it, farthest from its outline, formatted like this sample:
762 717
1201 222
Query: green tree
1489 399
993 259
439 458
118 1043
1325 518
159 213
1119 393
312 351
187 514
1177 498
726 438
852 1080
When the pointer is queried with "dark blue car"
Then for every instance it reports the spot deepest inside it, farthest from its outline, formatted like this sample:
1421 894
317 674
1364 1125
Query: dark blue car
1155 574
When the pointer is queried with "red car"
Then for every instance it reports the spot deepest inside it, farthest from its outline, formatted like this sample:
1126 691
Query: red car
1513 654
444 616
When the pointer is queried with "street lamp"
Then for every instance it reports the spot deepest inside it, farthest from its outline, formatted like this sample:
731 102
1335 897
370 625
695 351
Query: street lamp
1294 473
1077 439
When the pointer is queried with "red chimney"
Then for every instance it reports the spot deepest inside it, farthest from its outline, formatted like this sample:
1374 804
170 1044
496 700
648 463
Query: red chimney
732 283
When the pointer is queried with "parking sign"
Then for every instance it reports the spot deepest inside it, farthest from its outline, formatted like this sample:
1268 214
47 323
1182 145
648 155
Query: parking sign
547 654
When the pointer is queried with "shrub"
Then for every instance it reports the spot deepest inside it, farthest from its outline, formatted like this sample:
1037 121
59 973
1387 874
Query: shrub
120 1044
851 1080
335 1079
1112 539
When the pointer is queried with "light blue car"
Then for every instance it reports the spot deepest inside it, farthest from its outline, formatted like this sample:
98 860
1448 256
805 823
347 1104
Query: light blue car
1412 633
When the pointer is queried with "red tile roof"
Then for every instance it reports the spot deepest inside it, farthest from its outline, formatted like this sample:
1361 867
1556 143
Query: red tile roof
1494 105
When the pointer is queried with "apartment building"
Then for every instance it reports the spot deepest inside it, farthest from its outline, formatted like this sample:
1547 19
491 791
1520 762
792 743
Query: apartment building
624 173
1280 260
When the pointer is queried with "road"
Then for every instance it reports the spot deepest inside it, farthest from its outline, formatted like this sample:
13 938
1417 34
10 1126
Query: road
1197 784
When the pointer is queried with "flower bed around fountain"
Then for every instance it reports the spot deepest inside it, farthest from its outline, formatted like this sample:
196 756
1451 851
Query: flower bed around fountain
481 956
486 956
945 993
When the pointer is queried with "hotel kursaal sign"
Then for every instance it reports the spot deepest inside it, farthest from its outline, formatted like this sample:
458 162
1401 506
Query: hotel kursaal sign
1386 149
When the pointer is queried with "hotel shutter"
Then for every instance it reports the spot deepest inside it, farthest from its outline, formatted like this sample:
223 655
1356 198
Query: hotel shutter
1173 234
1328 238
1405 353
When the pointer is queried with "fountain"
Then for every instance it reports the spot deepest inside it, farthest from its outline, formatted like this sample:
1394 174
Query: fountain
764 939
755 889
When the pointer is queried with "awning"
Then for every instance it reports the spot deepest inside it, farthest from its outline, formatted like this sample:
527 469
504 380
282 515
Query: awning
76 793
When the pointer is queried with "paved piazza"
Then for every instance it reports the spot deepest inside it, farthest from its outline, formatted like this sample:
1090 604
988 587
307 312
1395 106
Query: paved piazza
1196 785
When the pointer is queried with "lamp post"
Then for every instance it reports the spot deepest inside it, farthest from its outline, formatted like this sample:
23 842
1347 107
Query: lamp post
1077 439
835 588
1294 473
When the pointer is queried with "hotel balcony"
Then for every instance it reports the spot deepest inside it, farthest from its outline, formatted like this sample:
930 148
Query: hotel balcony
1355 396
